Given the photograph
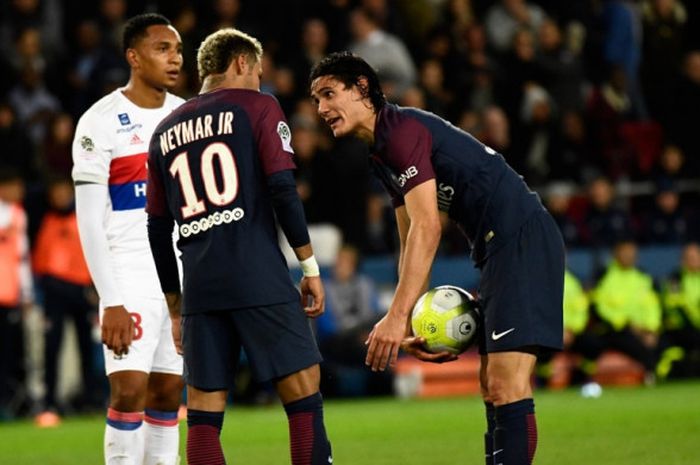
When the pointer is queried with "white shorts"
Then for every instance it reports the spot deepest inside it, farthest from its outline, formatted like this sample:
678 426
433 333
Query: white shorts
152 350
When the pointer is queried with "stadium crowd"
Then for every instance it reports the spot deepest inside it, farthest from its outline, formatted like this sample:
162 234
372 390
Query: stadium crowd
594 102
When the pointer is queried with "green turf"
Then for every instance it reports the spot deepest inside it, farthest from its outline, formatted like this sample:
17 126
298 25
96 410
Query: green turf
634 426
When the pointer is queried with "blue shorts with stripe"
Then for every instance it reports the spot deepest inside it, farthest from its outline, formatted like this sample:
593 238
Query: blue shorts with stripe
277 340
522 290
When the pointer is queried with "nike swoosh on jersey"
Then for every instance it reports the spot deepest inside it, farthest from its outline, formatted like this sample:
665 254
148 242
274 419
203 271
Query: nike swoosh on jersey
496 336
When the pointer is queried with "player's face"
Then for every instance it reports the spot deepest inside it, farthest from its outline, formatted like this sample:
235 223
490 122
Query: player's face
159 56
343 109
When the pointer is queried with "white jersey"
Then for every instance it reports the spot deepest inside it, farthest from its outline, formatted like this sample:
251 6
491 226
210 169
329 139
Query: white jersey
111 148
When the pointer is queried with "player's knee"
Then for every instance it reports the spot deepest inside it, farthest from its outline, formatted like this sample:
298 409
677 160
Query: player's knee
128 398
504 390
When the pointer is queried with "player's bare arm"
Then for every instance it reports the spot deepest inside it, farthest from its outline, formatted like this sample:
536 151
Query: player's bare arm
174 300
421 243
313 297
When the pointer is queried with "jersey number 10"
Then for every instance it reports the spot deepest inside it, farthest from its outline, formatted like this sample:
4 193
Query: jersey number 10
180 169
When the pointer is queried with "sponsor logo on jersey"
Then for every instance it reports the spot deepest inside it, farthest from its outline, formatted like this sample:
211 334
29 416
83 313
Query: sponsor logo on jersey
215 219
127 182
129 128
87 144
285 136
410 172
124 119
135 140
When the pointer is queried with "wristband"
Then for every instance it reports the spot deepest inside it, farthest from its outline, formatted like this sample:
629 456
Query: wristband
309 267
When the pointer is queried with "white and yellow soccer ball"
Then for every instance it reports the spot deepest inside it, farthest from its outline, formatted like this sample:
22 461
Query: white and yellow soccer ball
447 317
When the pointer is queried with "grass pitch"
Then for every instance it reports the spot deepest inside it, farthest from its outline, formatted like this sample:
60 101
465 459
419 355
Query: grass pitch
626 426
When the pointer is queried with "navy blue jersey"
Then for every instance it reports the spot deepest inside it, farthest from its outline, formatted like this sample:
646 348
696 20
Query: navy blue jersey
475 185
208 166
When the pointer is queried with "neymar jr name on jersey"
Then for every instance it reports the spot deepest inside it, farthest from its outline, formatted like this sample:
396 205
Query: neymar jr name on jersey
194 129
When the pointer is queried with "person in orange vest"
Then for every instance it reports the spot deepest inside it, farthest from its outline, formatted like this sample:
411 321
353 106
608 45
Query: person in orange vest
16 292
64 278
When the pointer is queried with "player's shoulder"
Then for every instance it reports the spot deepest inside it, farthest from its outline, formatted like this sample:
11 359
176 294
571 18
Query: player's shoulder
173 101
105 107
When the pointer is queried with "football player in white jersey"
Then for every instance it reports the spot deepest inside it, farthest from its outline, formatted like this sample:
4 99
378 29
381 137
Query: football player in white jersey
109 154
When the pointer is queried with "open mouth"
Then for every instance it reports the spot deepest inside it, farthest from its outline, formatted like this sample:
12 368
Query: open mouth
174 74
332 121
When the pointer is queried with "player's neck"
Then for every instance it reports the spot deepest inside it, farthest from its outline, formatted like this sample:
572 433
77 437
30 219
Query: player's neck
143 95
365 130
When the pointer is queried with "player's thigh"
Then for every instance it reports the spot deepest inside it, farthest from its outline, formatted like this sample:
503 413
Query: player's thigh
211 349
166 360
277 339
521 290
508 376
164 391
147 314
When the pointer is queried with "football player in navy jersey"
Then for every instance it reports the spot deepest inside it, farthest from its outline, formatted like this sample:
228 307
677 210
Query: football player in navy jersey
220 167
430 167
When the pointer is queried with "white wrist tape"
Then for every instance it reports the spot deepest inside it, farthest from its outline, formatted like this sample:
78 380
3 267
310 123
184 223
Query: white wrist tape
309 267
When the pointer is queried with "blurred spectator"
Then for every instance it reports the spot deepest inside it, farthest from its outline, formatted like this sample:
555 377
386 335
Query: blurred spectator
558 200
622 47
83 67
520 72
496 130
561 68
668 222
188 25
576 160
306 142
353 311
16 293
17 153
664 27
384 51
538 139
314 46
628 308
670 166
44 16
683 129
112 17
604 223
609 107
506 17
56 147
33 104
65 280
432 79
681 298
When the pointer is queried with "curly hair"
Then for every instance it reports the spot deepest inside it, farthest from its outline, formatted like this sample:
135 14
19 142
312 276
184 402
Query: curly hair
348 69
220 48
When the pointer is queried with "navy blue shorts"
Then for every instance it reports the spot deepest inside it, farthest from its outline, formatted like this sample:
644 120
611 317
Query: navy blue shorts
277 340
522 290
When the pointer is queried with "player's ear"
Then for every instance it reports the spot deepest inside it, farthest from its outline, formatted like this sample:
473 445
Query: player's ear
132 58
241 64
363 86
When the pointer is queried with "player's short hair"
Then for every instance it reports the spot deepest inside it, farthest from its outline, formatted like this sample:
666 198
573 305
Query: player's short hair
348 68
220 48
136 27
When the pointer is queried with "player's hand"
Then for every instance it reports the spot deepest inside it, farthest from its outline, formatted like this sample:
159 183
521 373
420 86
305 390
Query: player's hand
117 329
415 346
384 341
313 297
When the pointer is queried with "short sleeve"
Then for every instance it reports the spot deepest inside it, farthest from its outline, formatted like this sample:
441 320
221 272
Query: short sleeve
408 153
274 138
92 152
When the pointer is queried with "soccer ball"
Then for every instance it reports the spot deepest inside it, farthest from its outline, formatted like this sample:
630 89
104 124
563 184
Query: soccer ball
447 318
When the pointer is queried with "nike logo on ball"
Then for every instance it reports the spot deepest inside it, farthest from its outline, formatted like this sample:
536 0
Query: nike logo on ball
496 336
